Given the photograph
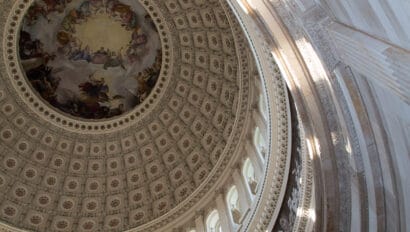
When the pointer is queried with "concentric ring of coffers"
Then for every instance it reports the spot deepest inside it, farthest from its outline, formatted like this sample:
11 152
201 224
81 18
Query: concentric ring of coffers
139 173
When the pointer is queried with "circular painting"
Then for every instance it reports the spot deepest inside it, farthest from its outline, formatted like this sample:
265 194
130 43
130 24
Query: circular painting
93 59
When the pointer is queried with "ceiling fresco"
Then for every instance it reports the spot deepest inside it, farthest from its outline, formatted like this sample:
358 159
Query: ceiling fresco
92 59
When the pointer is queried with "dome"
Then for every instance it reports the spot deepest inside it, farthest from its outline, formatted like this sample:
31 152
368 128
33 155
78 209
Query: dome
119 114
204 115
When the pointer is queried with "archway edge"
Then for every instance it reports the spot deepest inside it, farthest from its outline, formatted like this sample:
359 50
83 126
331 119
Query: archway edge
302 86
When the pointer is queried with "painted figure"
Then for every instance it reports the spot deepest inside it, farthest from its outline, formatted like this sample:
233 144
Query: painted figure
100 57
85 9
42 80
68 23
81 54
34 12
147 79
115 60
56 5
96 5
31 52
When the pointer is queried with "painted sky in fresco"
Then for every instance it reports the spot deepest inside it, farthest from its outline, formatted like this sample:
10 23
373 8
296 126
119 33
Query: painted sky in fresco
92 59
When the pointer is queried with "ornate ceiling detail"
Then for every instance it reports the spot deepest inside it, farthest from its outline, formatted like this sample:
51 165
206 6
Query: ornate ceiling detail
56 117
90 59
145 167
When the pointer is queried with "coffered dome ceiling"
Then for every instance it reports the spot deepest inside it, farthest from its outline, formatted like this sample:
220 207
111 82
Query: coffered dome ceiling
117 114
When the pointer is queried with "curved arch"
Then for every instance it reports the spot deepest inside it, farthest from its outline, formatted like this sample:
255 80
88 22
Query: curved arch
259 142
262 106
213 222
234 206
248 172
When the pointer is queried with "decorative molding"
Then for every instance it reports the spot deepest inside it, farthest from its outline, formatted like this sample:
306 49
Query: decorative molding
270 194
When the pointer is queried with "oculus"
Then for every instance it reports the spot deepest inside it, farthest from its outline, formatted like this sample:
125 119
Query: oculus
92 59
